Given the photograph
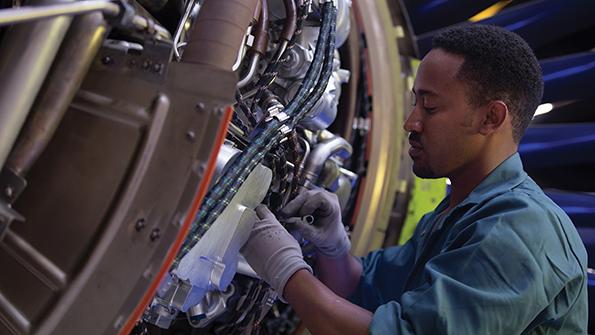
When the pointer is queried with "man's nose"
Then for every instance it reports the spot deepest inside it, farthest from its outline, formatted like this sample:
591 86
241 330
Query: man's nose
413 124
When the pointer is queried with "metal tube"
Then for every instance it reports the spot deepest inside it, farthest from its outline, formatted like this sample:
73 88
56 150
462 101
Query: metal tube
320 154
142 23
30 51
181 27
261 42
251 70
13 316
261 36
32 13
34 261
72 63
290 20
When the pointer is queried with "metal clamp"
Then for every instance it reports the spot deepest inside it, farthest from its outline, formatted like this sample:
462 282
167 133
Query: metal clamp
11 185
335 2
275 110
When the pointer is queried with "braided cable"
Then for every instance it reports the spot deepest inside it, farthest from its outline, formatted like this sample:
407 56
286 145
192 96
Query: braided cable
226 187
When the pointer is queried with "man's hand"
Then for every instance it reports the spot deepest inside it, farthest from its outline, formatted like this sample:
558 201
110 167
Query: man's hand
327 232
272 252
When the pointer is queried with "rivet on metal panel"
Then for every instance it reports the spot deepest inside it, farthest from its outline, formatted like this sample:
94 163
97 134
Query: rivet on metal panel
219 111
201 169
190 135
178 221
119 321
140 224
148 273
155 234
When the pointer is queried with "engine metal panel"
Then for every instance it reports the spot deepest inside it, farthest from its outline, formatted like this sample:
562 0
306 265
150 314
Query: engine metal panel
124 165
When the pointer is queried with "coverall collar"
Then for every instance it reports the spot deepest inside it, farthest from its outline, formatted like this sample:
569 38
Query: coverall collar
504 177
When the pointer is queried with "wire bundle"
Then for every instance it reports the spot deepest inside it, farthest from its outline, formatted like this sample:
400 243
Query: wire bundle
313 87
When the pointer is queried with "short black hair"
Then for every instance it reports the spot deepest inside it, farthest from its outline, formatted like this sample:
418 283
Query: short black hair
498 65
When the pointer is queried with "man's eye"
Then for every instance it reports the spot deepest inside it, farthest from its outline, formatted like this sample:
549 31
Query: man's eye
430 110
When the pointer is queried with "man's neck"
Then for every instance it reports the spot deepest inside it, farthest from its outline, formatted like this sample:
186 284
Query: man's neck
464 180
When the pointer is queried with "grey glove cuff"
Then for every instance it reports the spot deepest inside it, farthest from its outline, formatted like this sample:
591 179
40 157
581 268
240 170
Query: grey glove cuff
335 250
282 269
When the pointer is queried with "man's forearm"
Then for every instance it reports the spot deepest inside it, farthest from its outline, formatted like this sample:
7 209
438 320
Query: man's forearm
321 310
340 274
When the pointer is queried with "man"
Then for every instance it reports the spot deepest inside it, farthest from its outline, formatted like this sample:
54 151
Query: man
496 256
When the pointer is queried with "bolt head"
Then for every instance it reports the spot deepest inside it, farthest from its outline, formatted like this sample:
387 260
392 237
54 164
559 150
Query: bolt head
190 135
155 234
140 224
107 60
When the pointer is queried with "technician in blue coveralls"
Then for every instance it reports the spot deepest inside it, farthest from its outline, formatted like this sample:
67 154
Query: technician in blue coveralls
496 256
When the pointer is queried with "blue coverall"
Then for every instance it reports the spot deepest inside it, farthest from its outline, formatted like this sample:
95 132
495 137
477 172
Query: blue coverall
507 260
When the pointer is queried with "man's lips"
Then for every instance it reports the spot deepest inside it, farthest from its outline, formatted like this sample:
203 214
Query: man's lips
416 148
415 144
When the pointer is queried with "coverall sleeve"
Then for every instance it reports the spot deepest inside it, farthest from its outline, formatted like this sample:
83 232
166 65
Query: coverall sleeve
494 277
374 287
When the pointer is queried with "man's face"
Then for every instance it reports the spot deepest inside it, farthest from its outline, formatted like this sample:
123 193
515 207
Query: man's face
442 125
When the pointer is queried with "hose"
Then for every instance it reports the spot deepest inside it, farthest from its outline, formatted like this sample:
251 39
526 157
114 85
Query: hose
290 20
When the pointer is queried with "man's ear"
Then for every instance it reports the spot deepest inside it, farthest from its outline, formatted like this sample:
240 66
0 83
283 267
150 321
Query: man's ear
494 117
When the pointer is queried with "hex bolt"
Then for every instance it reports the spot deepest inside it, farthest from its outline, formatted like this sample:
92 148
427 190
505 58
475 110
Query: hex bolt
140 224
190 135
155 234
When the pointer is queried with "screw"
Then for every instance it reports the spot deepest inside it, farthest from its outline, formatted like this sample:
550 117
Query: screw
157 68
190 135
148 273
155 234
140 224
200 107
146 64
107 60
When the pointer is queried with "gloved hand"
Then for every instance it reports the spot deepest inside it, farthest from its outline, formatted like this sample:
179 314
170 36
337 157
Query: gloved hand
272 252
327 232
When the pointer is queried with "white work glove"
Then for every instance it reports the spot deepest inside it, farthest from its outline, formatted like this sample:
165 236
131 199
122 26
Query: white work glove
327 232
272 252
